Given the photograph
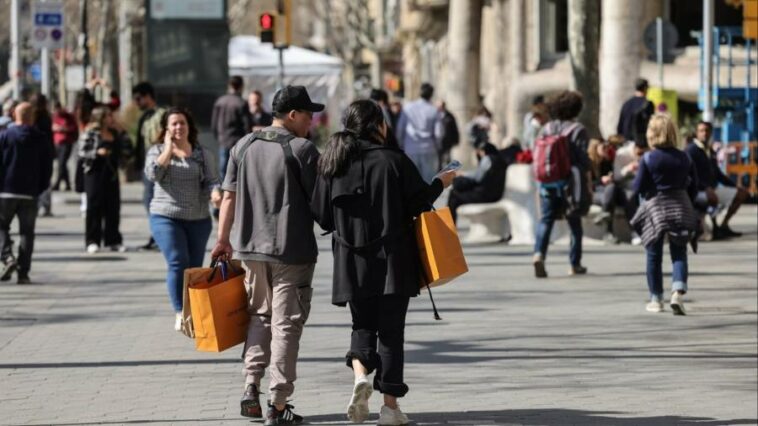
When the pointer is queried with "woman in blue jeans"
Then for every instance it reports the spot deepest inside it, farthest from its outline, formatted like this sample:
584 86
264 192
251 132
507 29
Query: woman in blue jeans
668 181
185 179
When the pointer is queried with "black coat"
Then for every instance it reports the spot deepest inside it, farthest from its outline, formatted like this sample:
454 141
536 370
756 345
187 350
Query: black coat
370 210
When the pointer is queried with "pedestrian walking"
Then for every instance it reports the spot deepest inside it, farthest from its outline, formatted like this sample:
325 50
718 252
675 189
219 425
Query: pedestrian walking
560 196
268 183
25 171
65 135
231 120
635 114
667 179
260 117
450 134
185 180
367 195
102 148
419 133
381 97
43 121
148 130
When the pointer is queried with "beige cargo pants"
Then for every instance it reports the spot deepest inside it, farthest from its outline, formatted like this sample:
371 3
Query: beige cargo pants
279 303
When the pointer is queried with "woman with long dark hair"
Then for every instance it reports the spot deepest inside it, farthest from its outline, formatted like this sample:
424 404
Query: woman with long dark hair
101 149
185 179
367 195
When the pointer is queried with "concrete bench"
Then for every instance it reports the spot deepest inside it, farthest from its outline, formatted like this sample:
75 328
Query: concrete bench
513 215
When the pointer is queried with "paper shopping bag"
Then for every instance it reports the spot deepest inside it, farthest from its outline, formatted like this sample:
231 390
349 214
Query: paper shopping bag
218 305
440 248
197 275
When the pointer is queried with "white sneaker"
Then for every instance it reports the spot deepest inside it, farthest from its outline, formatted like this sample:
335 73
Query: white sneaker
636 239
178 322
654 306
357 410
93 248
388 416
677 305
119 248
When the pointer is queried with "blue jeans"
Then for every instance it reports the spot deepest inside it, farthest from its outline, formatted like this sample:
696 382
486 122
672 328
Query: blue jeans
182 243
655 269
223 161
427 164
552 203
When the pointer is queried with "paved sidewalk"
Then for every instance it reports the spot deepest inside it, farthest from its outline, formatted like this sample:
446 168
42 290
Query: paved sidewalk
94 343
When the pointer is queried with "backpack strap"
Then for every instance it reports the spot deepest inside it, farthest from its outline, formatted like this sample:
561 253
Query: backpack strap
289 156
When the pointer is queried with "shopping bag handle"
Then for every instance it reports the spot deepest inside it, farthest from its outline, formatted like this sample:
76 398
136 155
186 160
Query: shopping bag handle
223 264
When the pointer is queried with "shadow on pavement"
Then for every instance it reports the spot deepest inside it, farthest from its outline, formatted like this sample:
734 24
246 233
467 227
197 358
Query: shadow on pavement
82 258
551 416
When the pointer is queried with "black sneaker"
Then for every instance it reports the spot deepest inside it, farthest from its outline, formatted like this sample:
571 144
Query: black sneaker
250 403
23 279
150 246
9 267
284 417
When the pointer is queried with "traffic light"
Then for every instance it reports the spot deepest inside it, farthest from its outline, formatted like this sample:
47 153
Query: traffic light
267 23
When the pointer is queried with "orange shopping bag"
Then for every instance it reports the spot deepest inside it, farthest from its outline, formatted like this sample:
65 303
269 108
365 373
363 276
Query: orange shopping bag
218 304
439 247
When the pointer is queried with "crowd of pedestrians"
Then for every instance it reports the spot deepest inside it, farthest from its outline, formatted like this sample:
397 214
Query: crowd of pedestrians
270 184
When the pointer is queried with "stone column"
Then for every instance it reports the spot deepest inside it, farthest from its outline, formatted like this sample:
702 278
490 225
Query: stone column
619 58
464 34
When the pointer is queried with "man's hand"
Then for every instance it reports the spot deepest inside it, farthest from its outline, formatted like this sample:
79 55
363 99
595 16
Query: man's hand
605 180
103 152
222 250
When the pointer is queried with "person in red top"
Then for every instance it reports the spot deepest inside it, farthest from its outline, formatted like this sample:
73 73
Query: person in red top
65 134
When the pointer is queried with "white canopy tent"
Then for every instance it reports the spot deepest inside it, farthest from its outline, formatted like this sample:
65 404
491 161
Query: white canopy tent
258 64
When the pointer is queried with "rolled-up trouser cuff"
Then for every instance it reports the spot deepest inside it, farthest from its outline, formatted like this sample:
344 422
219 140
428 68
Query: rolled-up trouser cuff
679 286
397 390
370 360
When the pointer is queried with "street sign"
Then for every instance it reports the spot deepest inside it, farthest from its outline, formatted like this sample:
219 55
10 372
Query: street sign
670 37
47 24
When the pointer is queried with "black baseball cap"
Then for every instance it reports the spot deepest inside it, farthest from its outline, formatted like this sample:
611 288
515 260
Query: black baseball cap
294 98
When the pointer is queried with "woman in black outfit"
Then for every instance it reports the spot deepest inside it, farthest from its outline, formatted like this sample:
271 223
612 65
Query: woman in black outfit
101 148
368 194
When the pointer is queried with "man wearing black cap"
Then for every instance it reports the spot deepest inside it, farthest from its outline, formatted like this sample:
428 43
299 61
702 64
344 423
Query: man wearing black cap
269 179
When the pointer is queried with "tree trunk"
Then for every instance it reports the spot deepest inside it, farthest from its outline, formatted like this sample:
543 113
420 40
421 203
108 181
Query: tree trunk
620 58
584 28
464 33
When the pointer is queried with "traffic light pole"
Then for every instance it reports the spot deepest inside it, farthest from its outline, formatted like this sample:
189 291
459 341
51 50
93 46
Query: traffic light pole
280 80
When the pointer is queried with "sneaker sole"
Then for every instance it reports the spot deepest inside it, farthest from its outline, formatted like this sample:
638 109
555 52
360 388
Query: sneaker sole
8 272
678 309
357 410
539 269
251 409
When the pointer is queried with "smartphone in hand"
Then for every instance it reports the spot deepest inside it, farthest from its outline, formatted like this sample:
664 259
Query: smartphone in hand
451 166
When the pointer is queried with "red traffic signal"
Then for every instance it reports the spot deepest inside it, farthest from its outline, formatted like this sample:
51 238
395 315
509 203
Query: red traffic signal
267 23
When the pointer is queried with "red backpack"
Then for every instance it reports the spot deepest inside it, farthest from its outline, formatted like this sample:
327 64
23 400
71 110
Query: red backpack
552 161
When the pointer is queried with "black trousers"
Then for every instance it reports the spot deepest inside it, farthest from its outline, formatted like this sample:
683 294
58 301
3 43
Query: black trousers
459 198
64 152
26 211
103 207
377 340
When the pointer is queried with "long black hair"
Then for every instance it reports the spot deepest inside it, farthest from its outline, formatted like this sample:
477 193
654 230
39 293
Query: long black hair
362 120
192 128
